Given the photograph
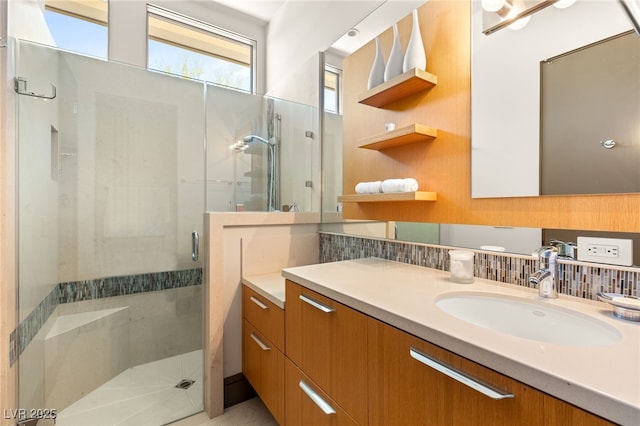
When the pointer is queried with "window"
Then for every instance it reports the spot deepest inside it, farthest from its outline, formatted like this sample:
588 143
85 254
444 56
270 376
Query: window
332 89
194 49
79 25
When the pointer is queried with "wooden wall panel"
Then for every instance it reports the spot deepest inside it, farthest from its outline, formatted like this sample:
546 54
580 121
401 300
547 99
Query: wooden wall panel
444 164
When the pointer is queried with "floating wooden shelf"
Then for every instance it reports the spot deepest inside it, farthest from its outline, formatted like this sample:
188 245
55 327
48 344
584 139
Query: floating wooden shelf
401 86
402 136
389 196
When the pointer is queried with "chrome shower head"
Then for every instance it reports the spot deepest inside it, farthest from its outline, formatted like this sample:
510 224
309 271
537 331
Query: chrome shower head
251 138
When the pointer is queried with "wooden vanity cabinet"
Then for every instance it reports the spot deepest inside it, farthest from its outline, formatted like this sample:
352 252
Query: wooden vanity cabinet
327 341
405 391
262 356
558 412
307 404
344 368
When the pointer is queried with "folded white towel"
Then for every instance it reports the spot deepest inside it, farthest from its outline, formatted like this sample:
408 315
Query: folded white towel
369 187
400 185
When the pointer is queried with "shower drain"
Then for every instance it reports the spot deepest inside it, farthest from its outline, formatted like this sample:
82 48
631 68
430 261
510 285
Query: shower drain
185 384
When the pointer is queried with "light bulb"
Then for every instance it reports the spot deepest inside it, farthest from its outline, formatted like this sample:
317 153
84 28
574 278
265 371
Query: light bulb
562 4
493 5
520 23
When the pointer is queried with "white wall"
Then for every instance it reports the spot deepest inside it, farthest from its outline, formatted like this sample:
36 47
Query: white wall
301 29
26 21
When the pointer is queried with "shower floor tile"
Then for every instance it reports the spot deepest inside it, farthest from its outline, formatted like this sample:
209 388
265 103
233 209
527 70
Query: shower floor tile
144 395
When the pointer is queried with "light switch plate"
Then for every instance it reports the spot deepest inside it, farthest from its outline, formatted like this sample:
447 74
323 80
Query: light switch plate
614 251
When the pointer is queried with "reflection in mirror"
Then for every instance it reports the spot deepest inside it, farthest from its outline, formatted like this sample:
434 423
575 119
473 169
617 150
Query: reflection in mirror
602 139
505 98
515 14
506 239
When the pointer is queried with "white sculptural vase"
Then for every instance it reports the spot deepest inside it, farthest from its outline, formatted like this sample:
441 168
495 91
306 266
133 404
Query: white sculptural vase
376 76
415 56
394 64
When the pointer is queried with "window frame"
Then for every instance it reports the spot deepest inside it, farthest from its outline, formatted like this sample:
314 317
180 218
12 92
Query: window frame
338 89
215 31
83 11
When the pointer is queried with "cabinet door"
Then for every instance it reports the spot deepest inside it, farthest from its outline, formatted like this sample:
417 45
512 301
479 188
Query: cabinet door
405 391
328 341
263 366
558 412
264 315
307 405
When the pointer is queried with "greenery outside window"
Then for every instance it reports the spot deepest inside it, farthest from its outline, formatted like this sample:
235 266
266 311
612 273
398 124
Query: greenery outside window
194 49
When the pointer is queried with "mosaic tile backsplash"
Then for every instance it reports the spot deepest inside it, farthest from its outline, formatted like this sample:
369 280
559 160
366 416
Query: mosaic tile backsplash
580 279
97 289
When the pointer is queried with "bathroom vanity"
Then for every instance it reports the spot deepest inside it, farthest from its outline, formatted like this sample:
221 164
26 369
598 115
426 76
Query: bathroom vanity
366 343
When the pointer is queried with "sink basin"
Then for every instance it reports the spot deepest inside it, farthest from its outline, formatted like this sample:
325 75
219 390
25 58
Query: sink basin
529 319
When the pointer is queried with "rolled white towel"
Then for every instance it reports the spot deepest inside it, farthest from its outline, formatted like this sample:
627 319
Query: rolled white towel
369 187
410 184
391 185
400 185
375 187
362 187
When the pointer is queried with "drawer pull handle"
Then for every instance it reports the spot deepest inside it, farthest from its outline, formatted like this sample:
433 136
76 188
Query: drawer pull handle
317 399
258 302
259 342
318 305
458 375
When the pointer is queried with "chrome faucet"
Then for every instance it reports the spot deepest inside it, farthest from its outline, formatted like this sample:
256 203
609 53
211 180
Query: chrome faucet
565 250
546 278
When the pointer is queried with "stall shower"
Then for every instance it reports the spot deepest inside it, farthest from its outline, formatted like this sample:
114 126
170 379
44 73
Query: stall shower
116 165
244 146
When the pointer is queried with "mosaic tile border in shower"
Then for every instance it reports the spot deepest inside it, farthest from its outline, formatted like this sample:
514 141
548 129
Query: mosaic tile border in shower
97 289
579 279
129 284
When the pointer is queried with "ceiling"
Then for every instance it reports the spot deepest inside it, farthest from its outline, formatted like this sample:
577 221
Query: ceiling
376 22
261 9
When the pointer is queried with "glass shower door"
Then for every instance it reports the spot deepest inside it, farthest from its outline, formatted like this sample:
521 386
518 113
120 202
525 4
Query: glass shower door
111 186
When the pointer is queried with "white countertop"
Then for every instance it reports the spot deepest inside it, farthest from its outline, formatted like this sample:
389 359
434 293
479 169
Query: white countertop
270 286
601 379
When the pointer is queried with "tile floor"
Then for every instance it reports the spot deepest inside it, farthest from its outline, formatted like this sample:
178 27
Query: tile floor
144 395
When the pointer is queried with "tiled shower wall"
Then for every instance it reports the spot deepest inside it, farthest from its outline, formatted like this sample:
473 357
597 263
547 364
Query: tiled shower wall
580 279
97 289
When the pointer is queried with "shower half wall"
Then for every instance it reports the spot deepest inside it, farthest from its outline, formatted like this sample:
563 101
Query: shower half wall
114 174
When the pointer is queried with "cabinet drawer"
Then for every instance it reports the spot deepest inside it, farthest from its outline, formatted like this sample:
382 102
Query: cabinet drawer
307 404
264 315
263 366
407 386
413 382
328 341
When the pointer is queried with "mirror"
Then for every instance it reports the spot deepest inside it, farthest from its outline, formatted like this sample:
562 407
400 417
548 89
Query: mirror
505 98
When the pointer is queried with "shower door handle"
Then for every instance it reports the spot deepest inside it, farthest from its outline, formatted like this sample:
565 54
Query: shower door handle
195 245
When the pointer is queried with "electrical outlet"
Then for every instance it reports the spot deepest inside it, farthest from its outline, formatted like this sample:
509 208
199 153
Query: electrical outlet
614 251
